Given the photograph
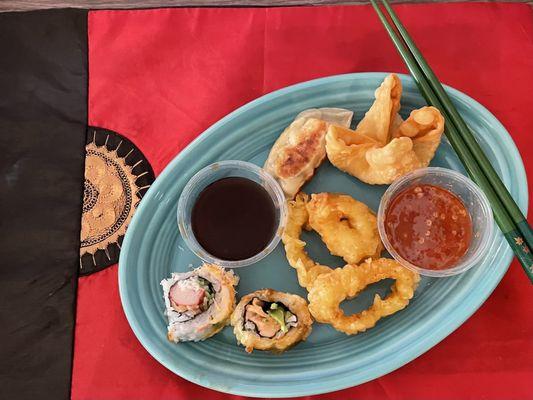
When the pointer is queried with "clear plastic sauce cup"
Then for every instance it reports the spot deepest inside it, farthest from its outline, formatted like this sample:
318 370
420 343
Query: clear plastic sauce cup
474 200
215 172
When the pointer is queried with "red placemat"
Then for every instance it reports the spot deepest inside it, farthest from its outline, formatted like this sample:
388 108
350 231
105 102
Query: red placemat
161 77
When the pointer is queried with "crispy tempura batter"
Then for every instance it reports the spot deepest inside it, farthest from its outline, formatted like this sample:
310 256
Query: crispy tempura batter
347 227
298 217
383 147
329 290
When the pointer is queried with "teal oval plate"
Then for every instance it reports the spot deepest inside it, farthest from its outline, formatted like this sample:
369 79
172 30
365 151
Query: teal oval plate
328 360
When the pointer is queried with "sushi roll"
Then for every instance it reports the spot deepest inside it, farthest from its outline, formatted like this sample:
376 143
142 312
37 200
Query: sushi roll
198 303
270 320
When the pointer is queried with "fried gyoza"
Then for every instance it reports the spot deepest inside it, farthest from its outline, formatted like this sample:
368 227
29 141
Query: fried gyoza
301 147
383 147
329 290
298 217
347 227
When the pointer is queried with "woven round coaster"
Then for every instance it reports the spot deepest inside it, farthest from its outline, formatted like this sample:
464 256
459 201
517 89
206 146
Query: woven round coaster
116 177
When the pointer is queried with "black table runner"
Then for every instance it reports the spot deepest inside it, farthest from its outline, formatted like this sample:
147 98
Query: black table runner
43 116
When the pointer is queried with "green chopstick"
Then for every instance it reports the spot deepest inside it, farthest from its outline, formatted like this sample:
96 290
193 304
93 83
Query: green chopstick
511 232
512 208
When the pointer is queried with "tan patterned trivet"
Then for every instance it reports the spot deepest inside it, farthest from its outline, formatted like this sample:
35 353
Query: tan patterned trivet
116 176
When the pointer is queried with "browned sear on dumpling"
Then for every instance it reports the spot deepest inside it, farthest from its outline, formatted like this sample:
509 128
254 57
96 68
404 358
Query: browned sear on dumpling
309 149
302 147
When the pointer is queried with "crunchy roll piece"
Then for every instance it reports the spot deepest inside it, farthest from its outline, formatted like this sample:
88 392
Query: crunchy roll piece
271 320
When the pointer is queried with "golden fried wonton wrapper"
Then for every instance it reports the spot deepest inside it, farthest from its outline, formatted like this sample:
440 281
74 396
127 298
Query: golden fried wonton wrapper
383 147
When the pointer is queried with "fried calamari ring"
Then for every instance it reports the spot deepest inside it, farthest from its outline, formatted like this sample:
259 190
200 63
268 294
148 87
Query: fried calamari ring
348 227
298 217
329 290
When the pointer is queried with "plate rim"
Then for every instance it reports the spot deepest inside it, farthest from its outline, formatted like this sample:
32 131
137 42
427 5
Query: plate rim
422 346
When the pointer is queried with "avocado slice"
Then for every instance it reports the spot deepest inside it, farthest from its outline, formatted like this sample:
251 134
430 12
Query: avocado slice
278 315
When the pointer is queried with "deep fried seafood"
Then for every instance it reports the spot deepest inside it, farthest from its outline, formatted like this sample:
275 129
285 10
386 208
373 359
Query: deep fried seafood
271 320
301 147
298 217
329 290
347 226
383 147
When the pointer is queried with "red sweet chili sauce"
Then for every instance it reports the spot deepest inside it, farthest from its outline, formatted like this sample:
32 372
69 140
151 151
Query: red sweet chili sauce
428 226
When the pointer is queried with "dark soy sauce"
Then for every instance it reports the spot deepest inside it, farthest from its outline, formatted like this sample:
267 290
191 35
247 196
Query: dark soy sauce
234 218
